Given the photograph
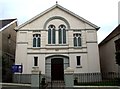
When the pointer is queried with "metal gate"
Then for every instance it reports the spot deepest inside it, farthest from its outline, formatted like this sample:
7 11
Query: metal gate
54 83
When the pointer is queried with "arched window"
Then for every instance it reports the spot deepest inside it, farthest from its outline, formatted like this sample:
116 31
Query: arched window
51 34
36 40
77 39
62 34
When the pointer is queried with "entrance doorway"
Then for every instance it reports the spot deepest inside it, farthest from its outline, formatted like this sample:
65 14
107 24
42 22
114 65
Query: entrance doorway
57 69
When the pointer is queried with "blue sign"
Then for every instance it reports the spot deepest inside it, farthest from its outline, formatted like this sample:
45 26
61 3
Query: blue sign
17 68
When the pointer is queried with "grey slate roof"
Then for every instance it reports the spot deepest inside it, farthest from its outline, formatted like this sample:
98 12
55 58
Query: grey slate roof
5 22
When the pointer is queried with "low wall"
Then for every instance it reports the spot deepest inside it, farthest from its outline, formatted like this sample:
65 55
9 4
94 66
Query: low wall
22 78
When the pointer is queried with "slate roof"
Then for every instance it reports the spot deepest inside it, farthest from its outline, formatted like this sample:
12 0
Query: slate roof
5 22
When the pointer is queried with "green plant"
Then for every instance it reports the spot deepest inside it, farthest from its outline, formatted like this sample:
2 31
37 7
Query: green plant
75 81
43 82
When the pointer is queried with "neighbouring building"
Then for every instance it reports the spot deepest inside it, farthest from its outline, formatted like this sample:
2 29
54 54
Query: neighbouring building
56 39
107 49
7 47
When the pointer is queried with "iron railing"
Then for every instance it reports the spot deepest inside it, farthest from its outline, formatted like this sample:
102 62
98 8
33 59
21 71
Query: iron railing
98 79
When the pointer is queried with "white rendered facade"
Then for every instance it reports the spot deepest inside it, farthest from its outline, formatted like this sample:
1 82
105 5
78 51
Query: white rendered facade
86 47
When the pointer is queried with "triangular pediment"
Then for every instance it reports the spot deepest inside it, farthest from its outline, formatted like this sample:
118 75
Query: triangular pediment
58 8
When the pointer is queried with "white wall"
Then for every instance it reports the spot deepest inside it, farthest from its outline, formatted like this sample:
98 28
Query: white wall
88 52
83 68
93 53
73 21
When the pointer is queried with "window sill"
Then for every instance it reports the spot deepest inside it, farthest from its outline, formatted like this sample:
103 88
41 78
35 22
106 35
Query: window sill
76 47
35 67
79 66
57 45
36 47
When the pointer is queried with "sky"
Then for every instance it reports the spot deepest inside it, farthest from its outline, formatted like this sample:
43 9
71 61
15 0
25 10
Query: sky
103 13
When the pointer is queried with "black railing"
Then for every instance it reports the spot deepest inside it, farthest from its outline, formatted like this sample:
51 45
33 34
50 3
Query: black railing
90 79
97 79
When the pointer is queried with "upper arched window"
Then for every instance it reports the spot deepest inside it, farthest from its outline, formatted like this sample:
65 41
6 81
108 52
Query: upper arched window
51 34
62 34
36 40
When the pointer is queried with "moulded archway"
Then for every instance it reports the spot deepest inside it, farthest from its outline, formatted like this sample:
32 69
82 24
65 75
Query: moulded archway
57 17
55 64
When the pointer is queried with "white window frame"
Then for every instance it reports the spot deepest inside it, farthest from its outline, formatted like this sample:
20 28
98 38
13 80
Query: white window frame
36 38
79 35
62 32
51 40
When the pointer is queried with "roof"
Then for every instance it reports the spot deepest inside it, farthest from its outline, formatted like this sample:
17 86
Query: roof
5 23
113 34
62 8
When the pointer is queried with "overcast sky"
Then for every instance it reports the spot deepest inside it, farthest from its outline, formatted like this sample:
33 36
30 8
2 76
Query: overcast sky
103 13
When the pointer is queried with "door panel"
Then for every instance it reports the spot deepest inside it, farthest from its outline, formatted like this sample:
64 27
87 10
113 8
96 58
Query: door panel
57 70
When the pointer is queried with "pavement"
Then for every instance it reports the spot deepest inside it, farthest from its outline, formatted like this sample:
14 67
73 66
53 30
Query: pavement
96 87
15 86
28 86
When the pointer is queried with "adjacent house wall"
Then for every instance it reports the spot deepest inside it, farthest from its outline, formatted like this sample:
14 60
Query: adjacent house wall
7 47
0 44
107 56
9 39
0 58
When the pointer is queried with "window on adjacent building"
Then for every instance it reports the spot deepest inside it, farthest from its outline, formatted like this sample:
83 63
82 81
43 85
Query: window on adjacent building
36 40
51 34
62 34
35 61
78 60
77 39
117 45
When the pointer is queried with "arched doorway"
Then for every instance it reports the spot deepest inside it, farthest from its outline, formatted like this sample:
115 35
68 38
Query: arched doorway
55 66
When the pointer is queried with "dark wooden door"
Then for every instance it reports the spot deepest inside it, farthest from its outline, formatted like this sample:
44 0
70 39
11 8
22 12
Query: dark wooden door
57 69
